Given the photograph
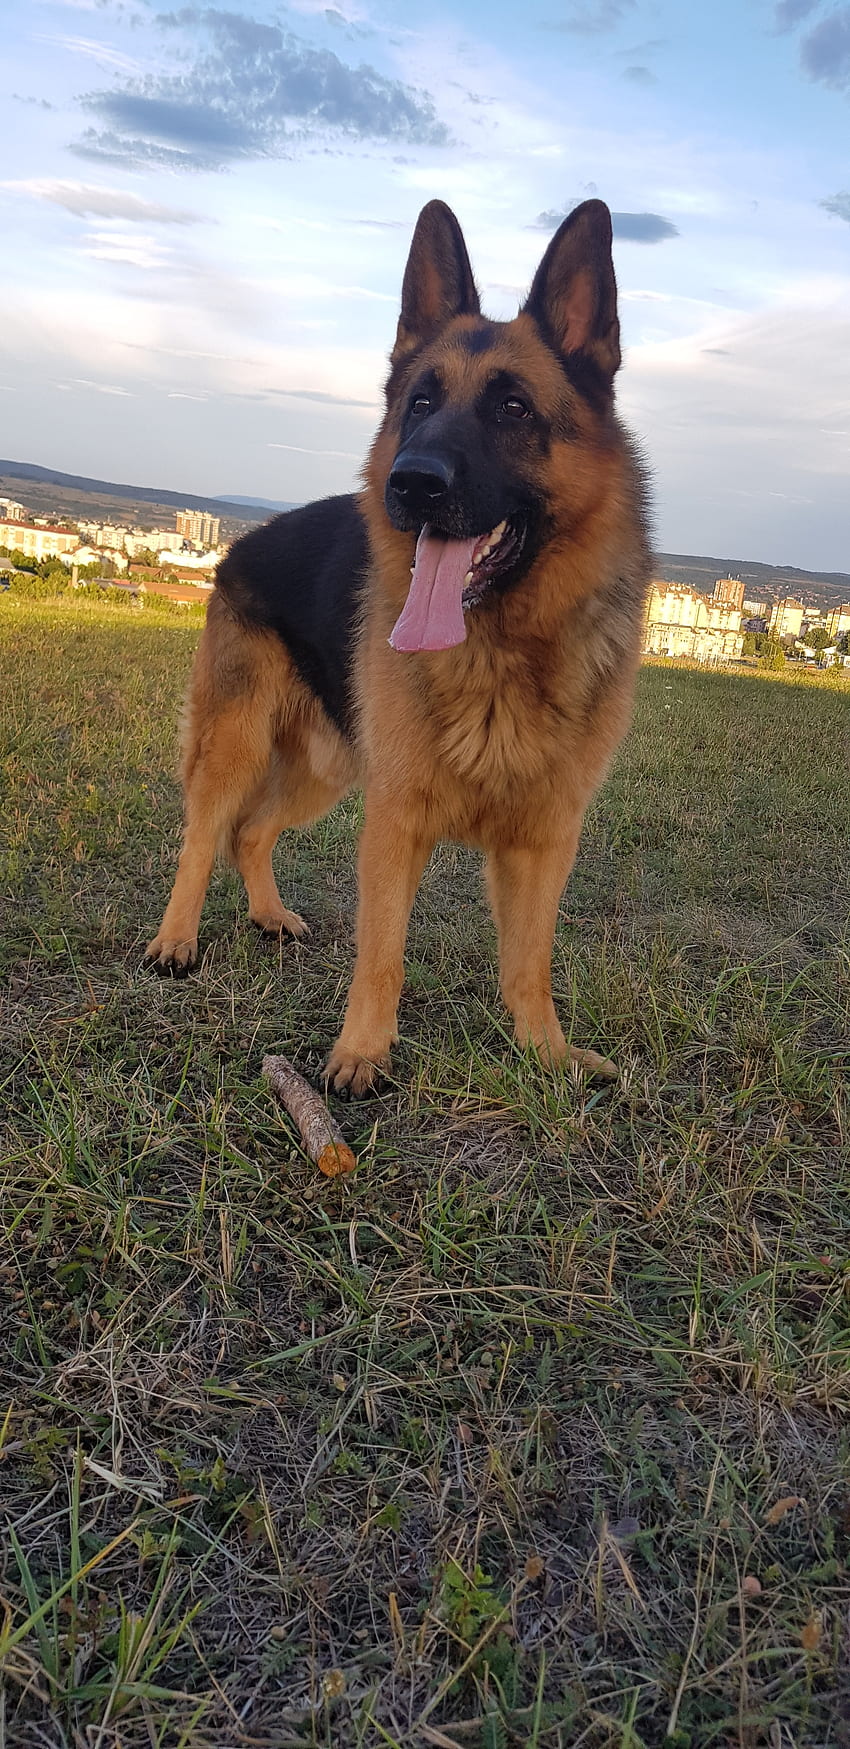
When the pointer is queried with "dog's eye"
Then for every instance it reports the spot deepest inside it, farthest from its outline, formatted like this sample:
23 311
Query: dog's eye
514 408
421 406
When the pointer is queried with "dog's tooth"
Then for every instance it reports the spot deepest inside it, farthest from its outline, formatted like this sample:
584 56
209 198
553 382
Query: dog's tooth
496 533
468 577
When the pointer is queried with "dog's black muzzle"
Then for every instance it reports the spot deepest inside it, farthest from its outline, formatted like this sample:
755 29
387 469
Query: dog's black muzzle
444 487
419 484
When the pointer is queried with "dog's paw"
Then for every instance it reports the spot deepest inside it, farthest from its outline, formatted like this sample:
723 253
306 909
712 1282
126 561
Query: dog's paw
170 958
592 1064
281 922
351 1075
542 1033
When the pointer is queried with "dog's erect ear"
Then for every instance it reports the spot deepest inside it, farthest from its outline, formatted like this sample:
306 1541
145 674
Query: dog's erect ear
438 282
573 295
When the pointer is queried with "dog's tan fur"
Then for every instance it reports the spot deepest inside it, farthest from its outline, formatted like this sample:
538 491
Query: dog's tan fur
498 743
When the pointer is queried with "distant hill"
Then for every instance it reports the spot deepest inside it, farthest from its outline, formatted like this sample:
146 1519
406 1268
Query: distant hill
275 504
48 493
763 582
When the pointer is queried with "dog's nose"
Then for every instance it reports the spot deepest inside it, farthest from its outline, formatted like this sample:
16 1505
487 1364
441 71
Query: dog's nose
422 481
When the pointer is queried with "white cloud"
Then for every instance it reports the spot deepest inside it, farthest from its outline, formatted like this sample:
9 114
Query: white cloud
101 388
347 10
130 250
279 327
86 200
308 286
743 417
97 51
348 455
152 342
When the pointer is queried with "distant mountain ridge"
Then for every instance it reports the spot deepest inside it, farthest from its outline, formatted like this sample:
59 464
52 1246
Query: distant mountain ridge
133 494
760 580
75 495
276 504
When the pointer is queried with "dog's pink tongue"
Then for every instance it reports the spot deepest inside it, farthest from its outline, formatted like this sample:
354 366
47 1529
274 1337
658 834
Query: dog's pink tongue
432 616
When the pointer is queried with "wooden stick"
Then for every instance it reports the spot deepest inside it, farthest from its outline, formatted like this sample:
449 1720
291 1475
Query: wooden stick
323 1139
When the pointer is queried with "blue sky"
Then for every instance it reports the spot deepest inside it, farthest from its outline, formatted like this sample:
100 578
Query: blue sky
206 212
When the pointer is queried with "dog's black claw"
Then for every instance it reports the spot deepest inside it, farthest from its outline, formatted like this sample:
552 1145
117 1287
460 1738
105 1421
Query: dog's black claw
165 968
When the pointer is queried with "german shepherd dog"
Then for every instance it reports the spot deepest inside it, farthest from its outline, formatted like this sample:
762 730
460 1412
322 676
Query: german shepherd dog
460 638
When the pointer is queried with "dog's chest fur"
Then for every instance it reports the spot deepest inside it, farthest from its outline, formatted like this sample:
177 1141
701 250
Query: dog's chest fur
499 721
488 736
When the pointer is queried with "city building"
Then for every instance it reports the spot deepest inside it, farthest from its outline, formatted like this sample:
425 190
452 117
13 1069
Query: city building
89 555
148 540
12 511
786 618
731 591
200 563
38 543
838 620
754 609
183 592
198 525
104 534
681 622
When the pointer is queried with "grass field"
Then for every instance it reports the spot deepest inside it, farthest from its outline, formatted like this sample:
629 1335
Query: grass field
534 1431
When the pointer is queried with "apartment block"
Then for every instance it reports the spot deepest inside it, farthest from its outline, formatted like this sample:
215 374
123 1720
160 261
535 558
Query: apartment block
786 618
38 543
199 526
838 620
731 591
681 622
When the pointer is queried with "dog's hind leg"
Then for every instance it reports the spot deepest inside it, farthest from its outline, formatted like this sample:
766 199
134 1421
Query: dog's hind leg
223 769
253 840
291 794
238 684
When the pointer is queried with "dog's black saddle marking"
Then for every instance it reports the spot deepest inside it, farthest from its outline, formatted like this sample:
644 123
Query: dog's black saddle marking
302 575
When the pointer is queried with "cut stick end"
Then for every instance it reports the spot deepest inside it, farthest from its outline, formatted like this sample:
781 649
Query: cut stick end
336 1159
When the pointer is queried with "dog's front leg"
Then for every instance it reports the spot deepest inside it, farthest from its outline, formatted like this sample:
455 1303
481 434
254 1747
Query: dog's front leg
390 861
525 887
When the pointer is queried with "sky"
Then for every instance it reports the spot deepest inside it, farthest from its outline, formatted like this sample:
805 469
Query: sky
206 213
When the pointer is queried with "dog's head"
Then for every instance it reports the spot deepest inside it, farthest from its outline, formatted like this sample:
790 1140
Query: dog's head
489 426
